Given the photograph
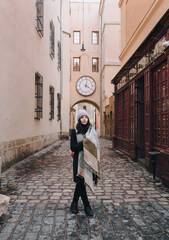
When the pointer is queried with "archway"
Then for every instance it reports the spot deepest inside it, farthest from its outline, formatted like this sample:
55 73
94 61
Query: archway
93 110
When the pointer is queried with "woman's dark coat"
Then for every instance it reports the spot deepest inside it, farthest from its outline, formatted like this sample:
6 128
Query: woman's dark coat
76 148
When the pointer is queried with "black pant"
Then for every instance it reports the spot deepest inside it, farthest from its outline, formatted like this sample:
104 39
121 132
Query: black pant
80 191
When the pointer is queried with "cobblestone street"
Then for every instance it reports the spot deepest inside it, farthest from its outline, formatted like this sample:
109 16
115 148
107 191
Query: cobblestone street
126 205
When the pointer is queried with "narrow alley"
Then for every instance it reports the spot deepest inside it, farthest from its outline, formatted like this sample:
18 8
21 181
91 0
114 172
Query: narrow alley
126 205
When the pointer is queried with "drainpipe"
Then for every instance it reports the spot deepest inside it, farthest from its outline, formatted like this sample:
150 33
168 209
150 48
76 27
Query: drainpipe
61 62
100 57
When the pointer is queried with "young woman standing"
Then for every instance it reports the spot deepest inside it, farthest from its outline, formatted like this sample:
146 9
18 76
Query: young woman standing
76 146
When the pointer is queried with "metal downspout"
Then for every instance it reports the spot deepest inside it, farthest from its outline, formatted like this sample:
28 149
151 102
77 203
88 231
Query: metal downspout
100 57
61 61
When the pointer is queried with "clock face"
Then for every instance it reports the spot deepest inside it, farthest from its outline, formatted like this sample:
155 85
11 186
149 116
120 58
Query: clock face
85 86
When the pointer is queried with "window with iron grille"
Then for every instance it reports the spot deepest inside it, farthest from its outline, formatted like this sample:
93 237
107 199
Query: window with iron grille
160 108
59 106
95 64
59 55
51 102
52 40
38 96
95 37
76 64
39 16
76 37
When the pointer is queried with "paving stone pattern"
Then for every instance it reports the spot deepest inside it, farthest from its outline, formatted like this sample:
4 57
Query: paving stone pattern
126 205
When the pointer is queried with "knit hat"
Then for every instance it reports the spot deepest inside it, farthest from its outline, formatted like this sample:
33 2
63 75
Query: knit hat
81 113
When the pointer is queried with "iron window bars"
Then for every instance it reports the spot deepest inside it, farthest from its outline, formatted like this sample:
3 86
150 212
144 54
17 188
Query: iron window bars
59 55
51 102
38 96
39 16
59 106
52 40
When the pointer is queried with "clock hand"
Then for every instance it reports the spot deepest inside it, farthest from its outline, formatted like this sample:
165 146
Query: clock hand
86 86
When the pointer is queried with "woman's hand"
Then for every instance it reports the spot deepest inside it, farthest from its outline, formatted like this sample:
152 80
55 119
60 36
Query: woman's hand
72 153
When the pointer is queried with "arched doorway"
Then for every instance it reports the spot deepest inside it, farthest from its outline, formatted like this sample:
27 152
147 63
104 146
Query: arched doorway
93 110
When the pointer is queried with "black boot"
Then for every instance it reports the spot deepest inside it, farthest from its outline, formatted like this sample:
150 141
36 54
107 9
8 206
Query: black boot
88 211
74 208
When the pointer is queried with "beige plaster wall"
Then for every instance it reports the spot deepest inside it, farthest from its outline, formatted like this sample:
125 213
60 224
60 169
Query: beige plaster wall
24 52
65 113
111 48
138 19
91 23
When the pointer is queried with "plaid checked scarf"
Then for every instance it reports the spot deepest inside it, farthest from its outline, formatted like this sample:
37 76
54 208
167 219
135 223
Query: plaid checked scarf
89 158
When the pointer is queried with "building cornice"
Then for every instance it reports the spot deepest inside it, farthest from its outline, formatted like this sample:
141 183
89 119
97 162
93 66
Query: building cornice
137 31
109 23
112 64
158 31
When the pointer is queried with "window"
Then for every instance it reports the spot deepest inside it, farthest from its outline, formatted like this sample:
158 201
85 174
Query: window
160 109
126 113
51 102
119 113
95 64
52 40
95 37
38 96
59 55
76 64
132 111
147 112
39 16
76 37
59 106
123 114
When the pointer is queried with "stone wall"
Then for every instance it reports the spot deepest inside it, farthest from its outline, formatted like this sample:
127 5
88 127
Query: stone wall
14 151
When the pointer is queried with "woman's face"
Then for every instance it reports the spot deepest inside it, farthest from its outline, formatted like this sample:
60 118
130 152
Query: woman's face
84 120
